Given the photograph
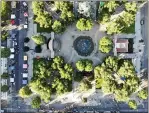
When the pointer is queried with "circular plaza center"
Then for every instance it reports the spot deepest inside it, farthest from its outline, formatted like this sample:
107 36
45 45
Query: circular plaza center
83 45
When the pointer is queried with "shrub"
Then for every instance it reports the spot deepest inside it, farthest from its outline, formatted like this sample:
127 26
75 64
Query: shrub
4 88
5 52
38 49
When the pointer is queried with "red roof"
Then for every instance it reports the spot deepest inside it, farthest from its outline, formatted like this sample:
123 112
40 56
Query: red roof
121 45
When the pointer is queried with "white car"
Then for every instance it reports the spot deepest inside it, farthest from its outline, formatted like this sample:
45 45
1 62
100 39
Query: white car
142 22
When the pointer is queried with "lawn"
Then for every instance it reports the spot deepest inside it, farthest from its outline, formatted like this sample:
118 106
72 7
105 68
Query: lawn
130 29
41 29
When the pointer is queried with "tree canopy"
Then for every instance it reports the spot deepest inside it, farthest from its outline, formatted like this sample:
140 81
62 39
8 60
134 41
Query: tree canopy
39 39
84 24
132 104
5 76
111 5
44 20
85 85
124 23
105 44
143 94
84 65
4 88
63 5
57 27
118 77
36 101
4 10
5 52
131 7
4 35
42 17
51 77
25 92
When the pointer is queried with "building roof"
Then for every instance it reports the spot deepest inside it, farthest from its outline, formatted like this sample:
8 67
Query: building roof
121 45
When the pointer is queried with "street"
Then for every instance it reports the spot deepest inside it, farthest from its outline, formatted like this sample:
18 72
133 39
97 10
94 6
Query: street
144 29
20 40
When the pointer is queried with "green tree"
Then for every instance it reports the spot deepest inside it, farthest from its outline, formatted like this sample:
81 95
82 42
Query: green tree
26 40
84 24
112 63
114 27
38 49
88 65
63 6
38 7
4 88
36 101
57 27
105 44
40 87
80 65
67 16
126 69
131 7
59 86
78 76
85 85
39 39
25 92
4 35
58 62
132 104
5 52
99 83
5 76
111 5
4 10
44 19
143 94
84 65
110 74
26 48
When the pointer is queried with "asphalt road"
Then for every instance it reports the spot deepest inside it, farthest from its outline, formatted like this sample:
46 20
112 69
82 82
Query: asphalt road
144 29
20 40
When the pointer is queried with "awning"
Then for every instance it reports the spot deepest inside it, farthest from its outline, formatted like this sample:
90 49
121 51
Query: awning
11 79
25 14
12 50
24 81
11 56
25 66
25 75
13 16
25 57
25 26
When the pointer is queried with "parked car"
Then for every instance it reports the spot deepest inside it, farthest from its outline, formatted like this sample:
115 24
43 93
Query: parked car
142 22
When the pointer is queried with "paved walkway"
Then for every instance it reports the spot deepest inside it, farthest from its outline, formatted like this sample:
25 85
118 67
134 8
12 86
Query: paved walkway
67 39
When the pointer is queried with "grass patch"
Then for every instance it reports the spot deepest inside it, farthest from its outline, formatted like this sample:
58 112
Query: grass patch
42 29
130 29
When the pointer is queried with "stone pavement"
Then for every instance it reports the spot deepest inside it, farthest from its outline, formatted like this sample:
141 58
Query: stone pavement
68 37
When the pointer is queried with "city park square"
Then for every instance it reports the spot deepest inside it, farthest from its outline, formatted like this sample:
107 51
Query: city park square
70 65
